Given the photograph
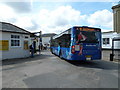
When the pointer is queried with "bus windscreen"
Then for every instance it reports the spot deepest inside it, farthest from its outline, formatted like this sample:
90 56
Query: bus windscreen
86 37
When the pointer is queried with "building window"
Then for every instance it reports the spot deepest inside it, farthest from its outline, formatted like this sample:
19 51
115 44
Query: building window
26 37
15 40
106 41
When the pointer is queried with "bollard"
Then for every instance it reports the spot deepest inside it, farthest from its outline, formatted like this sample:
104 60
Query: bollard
111 57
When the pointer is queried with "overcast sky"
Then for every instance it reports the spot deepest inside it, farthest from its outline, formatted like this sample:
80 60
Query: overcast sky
55 17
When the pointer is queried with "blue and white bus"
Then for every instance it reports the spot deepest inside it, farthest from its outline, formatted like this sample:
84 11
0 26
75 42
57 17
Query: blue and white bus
78 43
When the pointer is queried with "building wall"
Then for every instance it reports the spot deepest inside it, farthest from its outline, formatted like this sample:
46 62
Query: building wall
110 36
46 40
13 51
0 39
116 15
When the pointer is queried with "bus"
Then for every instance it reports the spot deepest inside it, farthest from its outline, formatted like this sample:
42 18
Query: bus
77 43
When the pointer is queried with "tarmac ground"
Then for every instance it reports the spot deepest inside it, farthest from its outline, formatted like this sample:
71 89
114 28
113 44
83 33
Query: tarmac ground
49 71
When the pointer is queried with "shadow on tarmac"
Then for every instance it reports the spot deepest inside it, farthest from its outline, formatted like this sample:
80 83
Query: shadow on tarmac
106 65
37 57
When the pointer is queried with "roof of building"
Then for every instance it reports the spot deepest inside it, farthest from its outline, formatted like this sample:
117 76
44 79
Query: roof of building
8 27
48 35
116 6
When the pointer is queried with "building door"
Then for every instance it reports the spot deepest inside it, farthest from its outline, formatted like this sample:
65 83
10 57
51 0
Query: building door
34 45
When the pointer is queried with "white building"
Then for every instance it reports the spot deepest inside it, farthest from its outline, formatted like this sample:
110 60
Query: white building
14 41
107 40
46 39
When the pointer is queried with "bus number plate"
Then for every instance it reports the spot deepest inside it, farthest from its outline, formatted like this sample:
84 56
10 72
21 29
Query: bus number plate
88 57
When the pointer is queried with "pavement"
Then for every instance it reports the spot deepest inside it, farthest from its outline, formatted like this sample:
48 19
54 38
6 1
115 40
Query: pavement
49 71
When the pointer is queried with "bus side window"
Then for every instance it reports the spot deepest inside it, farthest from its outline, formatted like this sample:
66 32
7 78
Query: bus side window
67 44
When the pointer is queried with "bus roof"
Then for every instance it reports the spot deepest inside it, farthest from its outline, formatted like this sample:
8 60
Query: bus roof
64 32
67 31
86 27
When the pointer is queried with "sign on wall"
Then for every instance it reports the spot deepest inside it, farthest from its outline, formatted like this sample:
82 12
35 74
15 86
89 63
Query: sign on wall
26 47
4 45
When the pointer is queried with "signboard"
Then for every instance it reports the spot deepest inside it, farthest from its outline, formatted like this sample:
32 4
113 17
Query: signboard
4 45
26 47
85 29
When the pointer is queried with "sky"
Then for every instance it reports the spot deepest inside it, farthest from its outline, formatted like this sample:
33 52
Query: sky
57 16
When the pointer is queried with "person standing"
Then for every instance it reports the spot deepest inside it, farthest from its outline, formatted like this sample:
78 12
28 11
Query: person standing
32 50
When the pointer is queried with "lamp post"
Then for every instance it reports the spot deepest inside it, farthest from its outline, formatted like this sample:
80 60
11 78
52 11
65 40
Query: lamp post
112 54
40 41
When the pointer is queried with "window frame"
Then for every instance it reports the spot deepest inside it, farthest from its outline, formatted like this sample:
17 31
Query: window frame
15 38
106 41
